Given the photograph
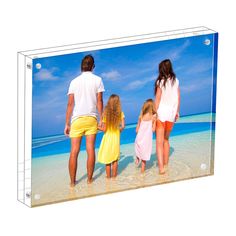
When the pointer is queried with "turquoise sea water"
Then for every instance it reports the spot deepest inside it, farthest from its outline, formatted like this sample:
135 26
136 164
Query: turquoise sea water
58 144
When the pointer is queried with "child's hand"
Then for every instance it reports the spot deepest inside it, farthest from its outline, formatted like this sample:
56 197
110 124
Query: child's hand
67 130
154 116
100 127
100 123
154 125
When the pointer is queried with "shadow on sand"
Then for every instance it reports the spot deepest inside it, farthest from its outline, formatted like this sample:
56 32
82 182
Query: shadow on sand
123 163
153 159
100 168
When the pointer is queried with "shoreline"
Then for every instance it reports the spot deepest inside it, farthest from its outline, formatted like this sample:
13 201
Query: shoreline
50 178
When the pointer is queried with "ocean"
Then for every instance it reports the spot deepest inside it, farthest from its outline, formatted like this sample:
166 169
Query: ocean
59 144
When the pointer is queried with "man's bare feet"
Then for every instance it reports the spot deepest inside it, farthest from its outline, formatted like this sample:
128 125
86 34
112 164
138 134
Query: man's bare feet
72 185
89 181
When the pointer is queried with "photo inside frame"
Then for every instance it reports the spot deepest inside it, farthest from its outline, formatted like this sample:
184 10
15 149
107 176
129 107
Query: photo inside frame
129 68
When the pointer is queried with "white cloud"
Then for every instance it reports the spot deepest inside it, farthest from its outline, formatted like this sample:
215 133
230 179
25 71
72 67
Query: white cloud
176 53
196 85
46 74
112 75
60 117
171 53
137 84
200 67
189 88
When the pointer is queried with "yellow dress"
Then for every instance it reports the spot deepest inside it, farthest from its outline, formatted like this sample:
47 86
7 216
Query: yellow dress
109 149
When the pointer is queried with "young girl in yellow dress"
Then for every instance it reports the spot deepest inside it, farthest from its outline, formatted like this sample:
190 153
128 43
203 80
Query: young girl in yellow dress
113 123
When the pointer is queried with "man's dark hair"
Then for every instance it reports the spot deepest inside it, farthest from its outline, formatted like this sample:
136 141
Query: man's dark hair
87 63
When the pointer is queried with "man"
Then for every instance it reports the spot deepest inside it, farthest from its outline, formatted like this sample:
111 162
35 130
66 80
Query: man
84 100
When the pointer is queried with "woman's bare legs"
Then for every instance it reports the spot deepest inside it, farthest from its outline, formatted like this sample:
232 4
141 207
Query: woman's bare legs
159 148
108 170
166 148
114 168
143 165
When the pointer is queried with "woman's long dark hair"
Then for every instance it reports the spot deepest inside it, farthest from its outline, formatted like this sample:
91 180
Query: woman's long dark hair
165 72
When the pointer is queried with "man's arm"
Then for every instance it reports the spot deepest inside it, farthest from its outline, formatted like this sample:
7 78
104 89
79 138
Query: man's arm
100 106
70 106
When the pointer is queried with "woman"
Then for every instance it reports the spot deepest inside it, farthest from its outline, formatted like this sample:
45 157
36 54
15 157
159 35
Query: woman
167 100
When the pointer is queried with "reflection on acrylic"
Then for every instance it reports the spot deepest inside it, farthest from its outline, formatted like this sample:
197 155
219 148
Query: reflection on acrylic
130 72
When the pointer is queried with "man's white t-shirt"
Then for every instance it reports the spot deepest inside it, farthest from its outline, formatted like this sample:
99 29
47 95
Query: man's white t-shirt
85 88
169 101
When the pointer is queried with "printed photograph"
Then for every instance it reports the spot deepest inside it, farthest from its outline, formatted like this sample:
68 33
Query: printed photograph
122 118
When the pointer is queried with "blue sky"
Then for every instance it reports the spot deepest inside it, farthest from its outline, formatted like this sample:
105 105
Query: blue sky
130 72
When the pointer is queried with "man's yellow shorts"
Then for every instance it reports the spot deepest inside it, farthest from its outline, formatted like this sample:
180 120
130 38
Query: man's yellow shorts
85 125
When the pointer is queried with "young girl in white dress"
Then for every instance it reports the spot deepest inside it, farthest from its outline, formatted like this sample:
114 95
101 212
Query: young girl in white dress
145 128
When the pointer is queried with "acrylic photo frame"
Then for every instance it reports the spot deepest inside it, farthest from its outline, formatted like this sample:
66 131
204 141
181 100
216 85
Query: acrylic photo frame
128 67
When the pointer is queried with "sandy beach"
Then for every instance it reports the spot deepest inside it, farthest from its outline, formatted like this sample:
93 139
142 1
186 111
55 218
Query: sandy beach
190 157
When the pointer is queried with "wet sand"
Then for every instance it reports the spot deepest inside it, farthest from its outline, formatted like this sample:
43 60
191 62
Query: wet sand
190 157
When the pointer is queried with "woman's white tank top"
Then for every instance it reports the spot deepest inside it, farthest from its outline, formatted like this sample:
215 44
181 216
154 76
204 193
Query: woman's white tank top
169 101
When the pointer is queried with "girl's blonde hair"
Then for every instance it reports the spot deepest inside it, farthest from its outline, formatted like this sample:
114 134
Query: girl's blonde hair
148 107
112 112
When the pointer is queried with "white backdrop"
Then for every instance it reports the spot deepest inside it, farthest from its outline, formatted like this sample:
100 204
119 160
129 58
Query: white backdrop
203 206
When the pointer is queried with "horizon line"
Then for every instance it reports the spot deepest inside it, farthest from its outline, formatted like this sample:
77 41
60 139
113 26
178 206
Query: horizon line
39 137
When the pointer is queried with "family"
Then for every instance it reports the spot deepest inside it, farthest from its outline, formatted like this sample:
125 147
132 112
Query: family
85 116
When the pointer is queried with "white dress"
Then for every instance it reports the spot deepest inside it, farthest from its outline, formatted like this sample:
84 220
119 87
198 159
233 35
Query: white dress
169 101
143 141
